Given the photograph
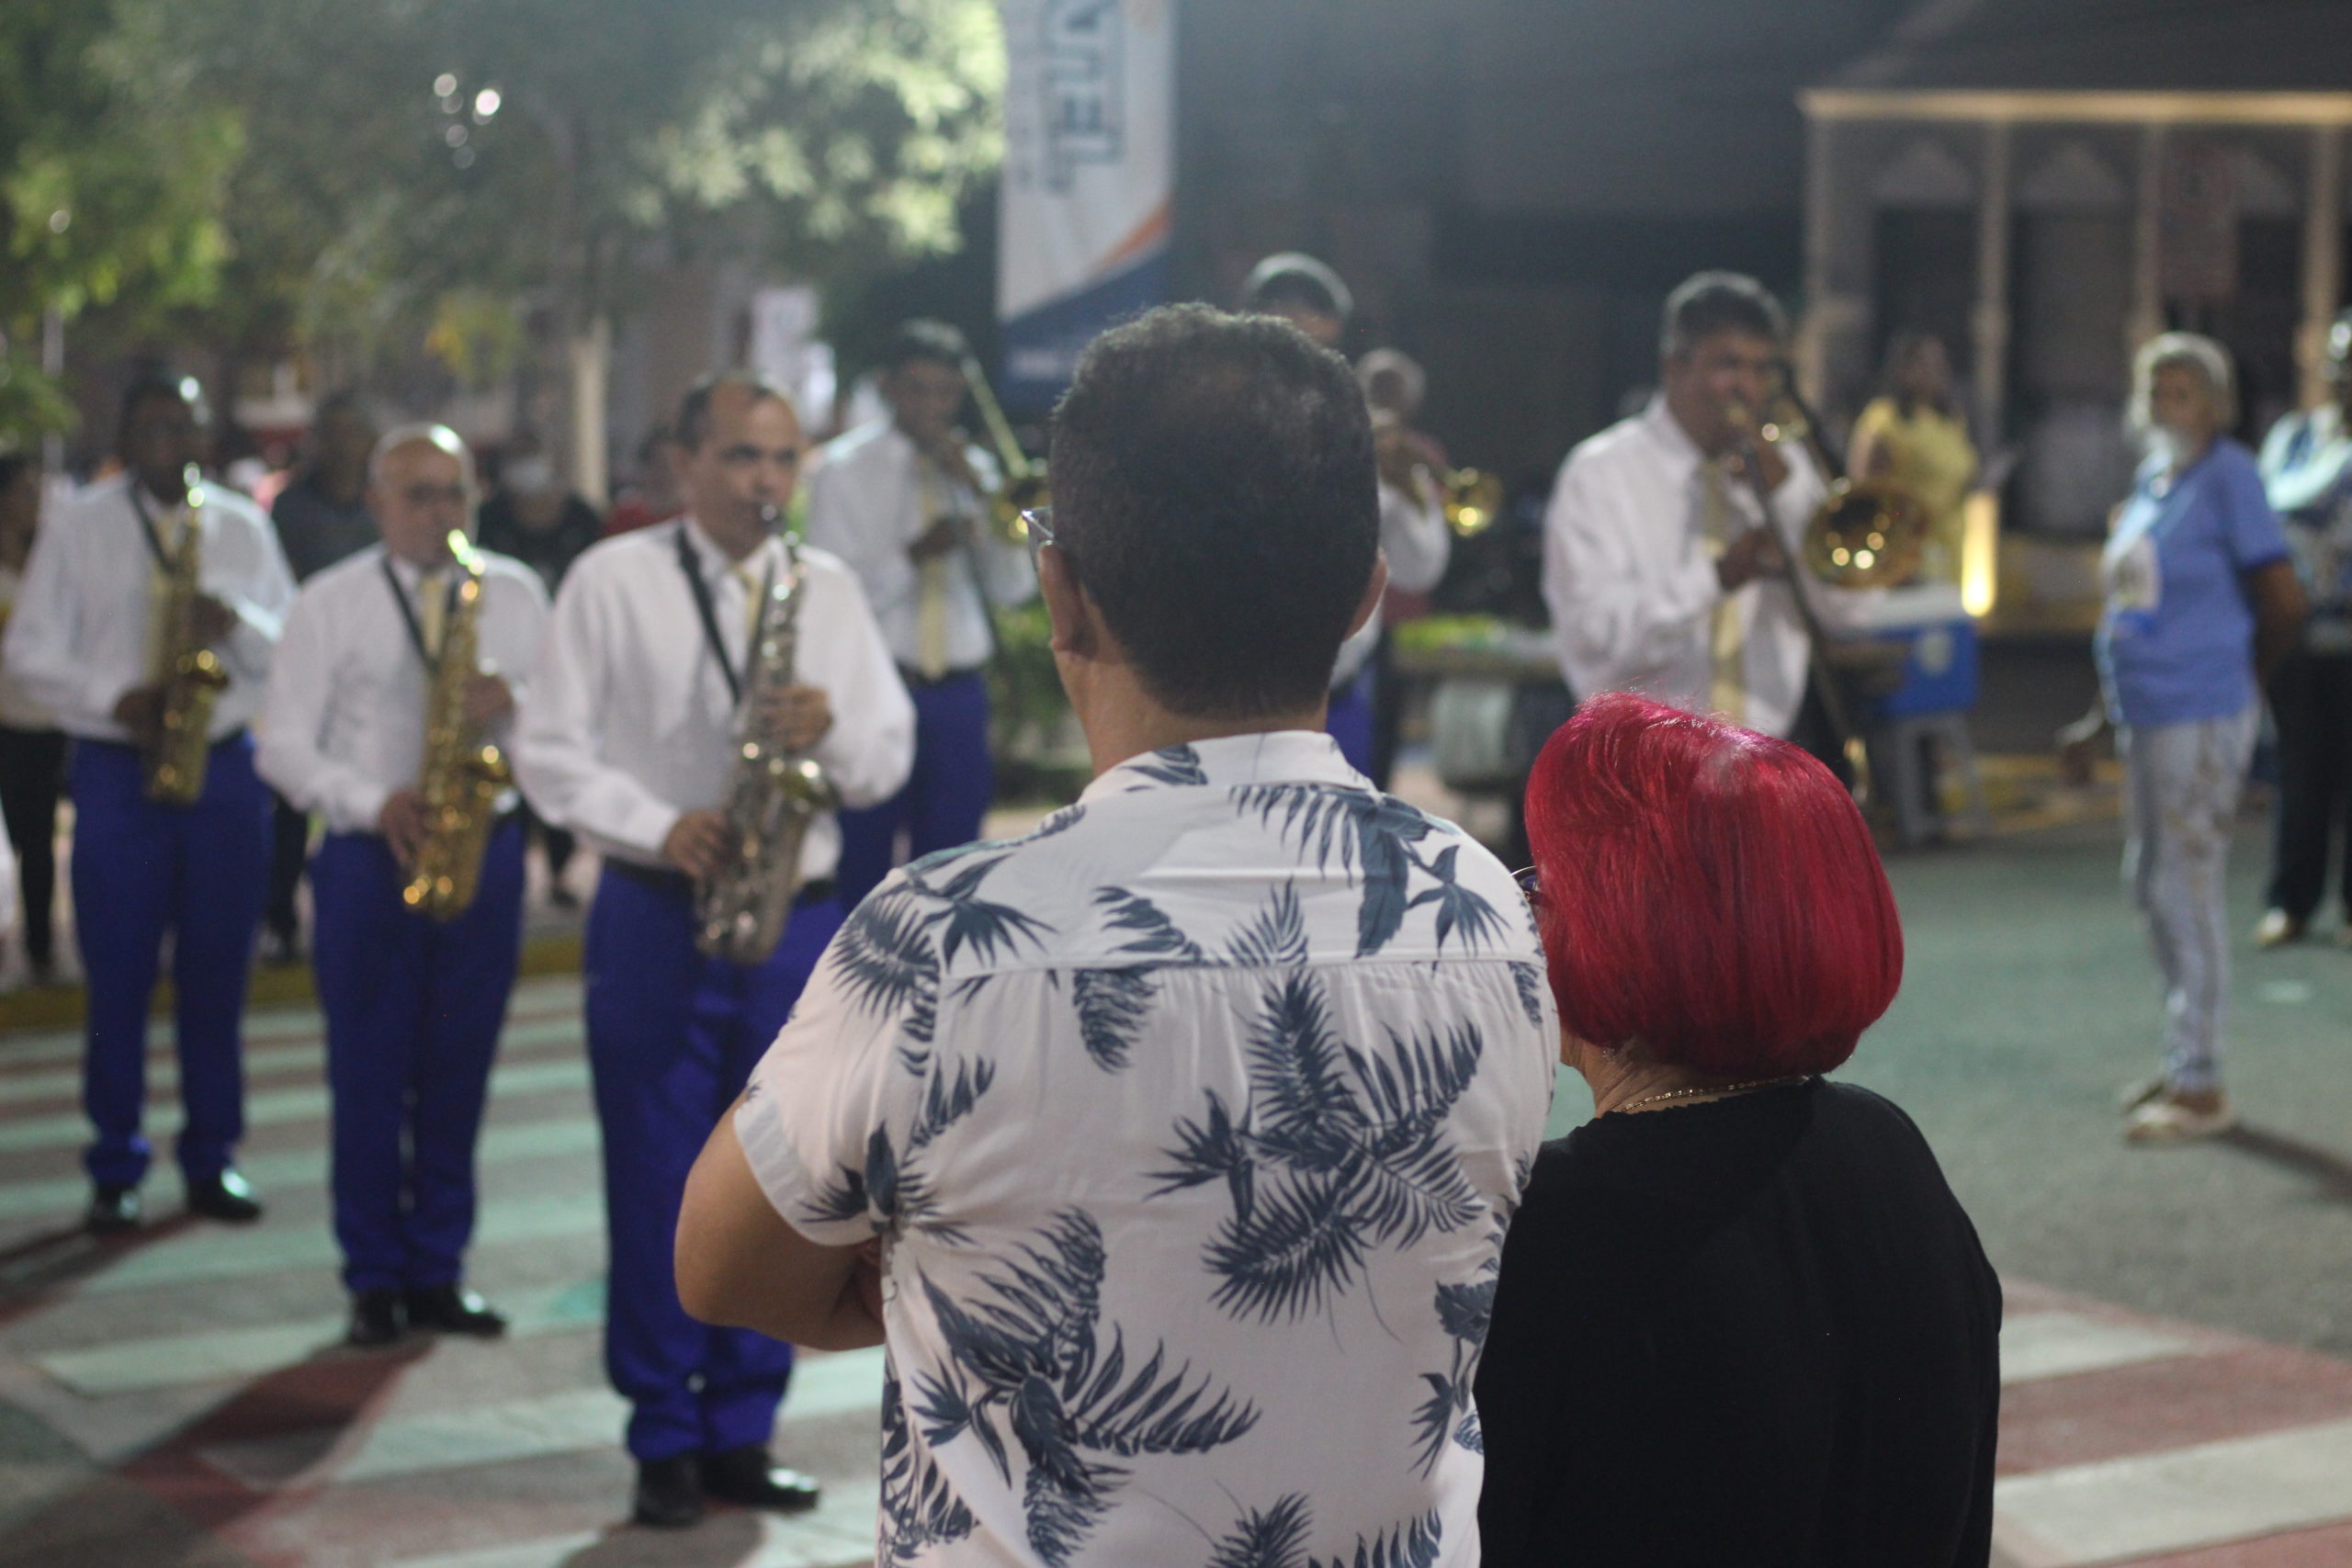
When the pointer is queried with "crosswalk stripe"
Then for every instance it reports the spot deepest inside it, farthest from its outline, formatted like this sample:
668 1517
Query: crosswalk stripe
212 1253
142 1366
837 1533
273 1171
68 1129
163 1078
539 1001
2036 1345
510 1430
2177 1499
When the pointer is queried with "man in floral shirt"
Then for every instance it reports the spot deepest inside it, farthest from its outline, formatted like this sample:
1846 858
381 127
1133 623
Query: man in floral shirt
1169 1148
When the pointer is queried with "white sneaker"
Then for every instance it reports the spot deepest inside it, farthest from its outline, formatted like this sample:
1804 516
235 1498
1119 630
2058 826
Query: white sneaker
2166 1121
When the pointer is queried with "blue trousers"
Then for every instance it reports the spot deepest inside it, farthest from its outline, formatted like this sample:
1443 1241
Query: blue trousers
141 869
1348 721
672 1036
947 797
413 1008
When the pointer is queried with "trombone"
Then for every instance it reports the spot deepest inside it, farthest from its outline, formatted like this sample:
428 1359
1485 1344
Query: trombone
1021 486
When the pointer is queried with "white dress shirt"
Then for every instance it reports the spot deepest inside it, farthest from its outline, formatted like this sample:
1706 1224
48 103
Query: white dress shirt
629 724
866 505
344 724
1189 1125
81 634
1418 543
1632 583
19 708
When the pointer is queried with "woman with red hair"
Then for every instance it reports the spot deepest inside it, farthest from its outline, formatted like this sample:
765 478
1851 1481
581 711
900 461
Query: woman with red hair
1741 1317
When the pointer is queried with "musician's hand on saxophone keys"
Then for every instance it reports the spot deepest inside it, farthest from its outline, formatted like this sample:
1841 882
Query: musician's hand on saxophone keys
139 710
699 844
404 823
796 716
487 699
209 620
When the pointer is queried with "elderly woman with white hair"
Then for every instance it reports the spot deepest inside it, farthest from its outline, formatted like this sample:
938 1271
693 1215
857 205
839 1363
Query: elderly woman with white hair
2201 605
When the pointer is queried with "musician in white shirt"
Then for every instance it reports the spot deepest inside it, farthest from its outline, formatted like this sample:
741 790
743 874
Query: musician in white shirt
627 736
1661 575
413 1005
83 643
1413 536
904 500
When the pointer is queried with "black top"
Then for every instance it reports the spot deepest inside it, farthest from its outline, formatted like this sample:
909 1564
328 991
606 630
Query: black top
315 530
1752 1331
548 551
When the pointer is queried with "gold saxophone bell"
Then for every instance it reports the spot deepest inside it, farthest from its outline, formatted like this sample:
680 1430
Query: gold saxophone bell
1023 486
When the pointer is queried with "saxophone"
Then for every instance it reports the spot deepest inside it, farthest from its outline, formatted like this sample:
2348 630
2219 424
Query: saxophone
775 795
190 673
462 776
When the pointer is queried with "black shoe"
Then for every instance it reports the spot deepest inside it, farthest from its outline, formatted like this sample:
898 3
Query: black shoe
228 1197
114 1210
745 1477
453 1309
375 1318
669 1493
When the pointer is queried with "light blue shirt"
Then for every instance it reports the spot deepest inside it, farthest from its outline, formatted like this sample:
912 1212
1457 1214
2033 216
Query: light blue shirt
2176 643
1189 1125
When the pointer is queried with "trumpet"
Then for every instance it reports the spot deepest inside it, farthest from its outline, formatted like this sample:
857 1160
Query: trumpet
1471 498
1022 488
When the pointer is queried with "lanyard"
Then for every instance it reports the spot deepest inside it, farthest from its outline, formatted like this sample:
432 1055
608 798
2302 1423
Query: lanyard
147 526
408 615
707 609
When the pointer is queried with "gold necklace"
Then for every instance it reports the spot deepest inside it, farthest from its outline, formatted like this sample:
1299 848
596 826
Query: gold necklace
1714 1089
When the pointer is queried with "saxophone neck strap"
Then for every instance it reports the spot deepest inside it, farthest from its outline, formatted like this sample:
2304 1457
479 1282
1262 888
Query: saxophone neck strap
706 607
147 530
432 659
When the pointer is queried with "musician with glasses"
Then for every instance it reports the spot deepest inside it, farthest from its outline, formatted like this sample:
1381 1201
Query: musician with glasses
904 500
1661 575
628 735
413 1003
101 612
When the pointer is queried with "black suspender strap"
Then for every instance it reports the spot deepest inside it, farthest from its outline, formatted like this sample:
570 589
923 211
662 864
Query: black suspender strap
707 608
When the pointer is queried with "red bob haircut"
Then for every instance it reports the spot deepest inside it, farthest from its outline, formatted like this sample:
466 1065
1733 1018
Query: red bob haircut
1708 892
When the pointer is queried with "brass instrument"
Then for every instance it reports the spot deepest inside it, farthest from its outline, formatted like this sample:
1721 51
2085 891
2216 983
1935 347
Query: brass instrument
1023 486
1866 533
1471 498
462 776
775 794
191 675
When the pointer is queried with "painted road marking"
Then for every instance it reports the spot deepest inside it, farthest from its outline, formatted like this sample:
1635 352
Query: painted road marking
2036 1345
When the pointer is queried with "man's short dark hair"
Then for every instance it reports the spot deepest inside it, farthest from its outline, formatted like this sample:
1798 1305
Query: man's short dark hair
157 386
693 409
1710 302
1297 279
935 343
1214 486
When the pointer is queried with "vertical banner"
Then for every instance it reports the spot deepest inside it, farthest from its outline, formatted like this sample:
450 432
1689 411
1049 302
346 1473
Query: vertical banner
1090 169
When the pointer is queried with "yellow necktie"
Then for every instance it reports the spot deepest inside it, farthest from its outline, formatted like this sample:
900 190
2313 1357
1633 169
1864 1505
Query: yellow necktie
751 582
1727 634
931 587
431 609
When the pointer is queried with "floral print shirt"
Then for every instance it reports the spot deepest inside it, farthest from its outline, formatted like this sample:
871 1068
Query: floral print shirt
1189 1125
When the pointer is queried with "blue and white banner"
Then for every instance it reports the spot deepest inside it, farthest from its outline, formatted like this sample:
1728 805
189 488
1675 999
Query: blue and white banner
1090 169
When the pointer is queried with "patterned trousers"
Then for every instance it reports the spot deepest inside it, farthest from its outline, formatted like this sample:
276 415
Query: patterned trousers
2180 800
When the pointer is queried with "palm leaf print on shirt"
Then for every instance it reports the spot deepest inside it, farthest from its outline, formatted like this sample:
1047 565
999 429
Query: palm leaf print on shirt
1029 1369
1372 836
1115 1004
1335 1151
920 1509
900 945
1276 1538
895 1188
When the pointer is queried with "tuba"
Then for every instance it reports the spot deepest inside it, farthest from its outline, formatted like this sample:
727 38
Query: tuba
1023 488
462 776
775 794
192 676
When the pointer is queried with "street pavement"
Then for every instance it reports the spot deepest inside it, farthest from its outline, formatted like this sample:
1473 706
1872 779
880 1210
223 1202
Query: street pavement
2177 1319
